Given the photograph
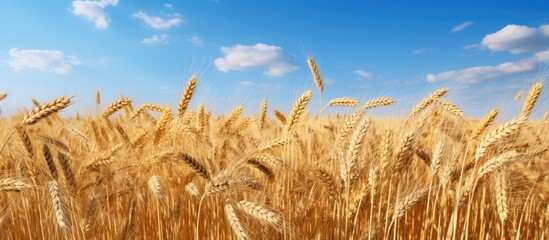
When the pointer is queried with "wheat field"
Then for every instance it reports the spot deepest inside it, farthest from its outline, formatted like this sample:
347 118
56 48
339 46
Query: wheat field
151 172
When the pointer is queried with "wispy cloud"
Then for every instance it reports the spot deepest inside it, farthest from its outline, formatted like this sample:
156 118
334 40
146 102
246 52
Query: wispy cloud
471 46
158 22
420 51
196 41
364 74
261 85
162 38
273 58
330 81
247 83
518 39
44 60
94 11
168 5
480 73
461 26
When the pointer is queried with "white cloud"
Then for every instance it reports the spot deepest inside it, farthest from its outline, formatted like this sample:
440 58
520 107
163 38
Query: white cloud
44 60
518 39
168 5
420 51
196 41
462 26
94 11
162 38
273 58
158 22
364 74
480 73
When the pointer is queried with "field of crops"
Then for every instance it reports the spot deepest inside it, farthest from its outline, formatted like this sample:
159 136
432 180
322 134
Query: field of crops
151 172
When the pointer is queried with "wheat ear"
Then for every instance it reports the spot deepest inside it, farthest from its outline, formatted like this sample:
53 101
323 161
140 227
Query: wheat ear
235 223
406 203
343 102
46 109
317 78
145 107
195 165
115 106
450 107
67 171
377 102
349 124
261 213
186 97
11 184
504 130
403 151
49 160
280 116
484 123
162 125
155 186
531 99
97 97
298 109
348 163
262 114
427 101
58 204
233 116
500 187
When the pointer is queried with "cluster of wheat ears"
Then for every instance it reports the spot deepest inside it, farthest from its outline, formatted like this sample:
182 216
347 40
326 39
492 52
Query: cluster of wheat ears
148 173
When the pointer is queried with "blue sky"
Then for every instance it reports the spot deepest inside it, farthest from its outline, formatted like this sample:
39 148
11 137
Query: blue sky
243 51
